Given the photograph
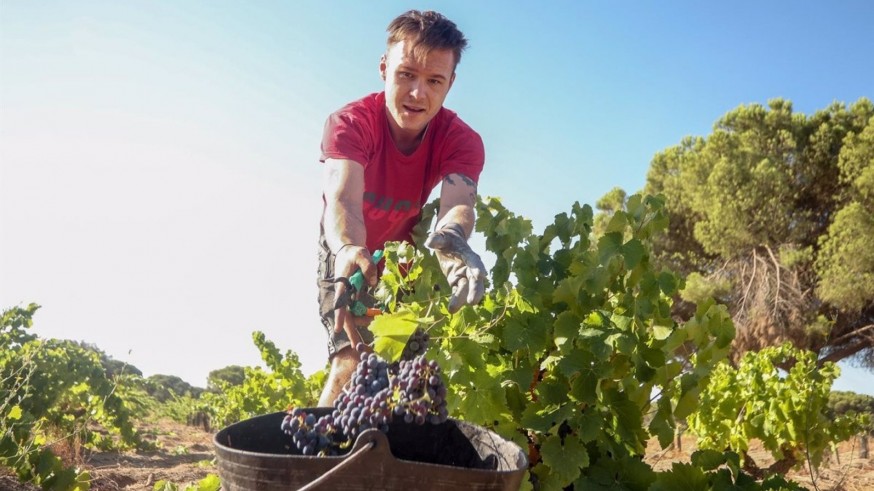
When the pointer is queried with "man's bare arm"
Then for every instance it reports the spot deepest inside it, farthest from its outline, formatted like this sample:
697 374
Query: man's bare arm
343 188
457 202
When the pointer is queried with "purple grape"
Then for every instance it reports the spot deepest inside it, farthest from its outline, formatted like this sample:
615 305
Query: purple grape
416 345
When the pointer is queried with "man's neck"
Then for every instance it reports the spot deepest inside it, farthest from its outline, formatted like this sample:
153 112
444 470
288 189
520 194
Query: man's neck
405 142
409 145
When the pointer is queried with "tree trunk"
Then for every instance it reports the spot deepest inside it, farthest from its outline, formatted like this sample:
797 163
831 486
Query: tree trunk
678 439
863 448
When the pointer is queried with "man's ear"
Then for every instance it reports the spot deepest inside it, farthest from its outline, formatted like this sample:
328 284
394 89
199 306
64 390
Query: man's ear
383 65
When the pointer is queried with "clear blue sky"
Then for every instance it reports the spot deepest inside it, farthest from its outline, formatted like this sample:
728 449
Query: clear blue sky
159 188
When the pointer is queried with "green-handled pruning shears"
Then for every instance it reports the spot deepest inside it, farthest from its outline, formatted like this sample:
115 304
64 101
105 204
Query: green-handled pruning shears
354 284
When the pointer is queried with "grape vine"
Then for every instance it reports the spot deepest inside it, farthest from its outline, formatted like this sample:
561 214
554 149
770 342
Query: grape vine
52 390
281 385
573 353
787 413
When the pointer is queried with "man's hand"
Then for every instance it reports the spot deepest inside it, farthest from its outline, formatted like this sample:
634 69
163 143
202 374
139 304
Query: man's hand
348 260
463 268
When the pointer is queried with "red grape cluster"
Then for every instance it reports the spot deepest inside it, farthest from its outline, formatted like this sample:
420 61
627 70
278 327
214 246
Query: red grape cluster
422 394
412 389
365 404
310 435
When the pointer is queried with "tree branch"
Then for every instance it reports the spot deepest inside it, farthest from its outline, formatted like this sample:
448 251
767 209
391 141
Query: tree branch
777 268
749 283
844 352
851 334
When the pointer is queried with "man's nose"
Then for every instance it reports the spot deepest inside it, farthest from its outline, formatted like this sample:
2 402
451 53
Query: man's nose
417 89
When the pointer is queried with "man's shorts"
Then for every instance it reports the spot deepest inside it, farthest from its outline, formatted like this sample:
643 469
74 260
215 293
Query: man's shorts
336 340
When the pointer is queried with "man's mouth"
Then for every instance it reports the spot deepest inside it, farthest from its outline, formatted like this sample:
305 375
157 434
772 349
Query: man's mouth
413 109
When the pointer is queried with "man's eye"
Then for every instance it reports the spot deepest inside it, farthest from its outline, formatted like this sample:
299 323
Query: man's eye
434 81
405 75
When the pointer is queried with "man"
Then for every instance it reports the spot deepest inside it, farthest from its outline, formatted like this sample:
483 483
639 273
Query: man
383 155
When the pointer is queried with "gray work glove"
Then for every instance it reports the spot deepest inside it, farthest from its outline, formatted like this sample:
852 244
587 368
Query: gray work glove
462 267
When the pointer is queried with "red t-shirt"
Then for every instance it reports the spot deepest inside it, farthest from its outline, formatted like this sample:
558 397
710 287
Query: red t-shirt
396 186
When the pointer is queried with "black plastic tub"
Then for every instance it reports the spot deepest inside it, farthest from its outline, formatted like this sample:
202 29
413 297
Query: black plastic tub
255 455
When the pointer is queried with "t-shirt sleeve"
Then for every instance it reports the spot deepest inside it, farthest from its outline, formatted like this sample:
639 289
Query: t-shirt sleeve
345 137
465 153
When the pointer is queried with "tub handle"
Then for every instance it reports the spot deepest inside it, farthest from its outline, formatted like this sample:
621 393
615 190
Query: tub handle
355 455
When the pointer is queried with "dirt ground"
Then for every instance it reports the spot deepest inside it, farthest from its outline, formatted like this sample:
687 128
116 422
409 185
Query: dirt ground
185 456
844 472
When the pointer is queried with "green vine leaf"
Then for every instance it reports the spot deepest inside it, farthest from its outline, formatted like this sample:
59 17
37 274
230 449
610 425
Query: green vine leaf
633 251
392 331
681 476
483 399
566 459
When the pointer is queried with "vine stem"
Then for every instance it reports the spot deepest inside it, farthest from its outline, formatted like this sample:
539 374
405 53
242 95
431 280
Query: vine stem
845 472
807 449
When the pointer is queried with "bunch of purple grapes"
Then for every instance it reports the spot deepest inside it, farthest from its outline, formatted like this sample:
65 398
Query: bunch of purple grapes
416 345
422 393
412 389
367 402
309 434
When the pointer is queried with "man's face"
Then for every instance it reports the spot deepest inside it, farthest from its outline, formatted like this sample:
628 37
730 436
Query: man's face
415 89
